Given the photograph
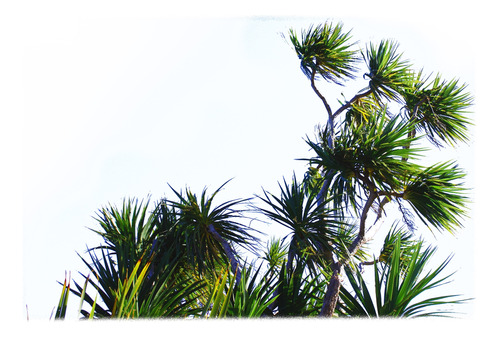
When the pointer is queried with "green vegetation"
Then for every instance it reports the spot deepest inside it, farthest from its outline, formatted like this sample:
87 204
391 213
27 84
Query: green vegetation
184 256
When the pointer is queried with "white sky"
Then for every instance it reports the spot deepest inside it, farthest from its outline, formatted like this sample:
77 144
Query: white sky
117 101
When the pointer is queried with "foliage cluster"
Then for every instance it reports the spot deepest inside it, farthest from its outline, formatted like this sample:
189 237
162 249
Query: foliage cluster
183 258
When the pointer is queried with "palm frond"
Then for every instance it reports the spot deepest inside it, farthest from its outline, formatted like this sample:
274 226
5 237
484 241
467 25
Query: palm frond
299 294
275 253
253 295
365 153
128 232
439 108
406 245
437 195
207 232
389 74
312 225
324 50
399 287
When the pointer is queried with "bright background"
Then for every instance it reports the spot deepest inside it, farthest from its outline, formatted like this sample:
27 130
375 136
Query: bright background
119 101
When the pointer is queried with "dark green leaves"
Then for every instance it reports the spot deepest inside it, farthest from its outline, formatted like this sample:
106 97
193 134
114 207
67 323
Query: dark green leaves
387 72
312 226
439 109
364 154
252 296
399 287
324 50
195 216
299 293
127 231
437 196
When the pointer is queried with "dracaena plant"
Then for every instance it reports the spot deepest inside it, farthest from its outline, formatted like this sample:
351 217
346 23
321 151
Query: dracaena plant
366 156
182 258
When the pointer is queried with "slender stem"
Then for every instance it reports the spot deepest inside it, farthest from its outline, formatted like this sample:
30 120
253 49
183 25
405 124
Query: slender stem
323 99
377 223
327 107
413 132
351 102
360 239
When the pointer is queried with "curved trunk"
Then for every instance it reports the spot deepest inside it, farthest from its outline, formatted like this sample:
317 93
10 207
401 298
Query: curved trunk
333 289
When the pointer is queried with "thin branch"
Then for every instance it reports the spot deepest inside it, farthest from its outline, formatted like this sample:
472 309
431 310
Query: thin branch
360 239
323 99
413 132
327 107
377 223
351 102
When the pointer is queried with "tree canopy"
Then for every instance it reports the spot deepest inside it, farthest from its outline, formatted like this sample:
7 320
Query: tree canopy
186 255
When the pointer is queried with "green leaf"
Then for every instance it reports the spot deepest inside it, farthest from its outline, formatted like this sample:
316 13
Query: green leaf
324 50
439 109
63 299
387 72
437 195
399 288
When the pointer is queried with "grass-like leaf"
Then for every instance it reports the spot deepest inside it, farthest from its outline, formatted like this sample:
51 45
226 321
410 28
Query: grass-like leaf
439 108
388 73
437 195
399 287
324 51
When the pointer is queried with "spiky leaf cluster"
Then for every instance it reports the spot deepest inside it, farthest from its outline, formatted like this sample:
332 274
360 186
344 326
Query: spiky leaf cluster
324 51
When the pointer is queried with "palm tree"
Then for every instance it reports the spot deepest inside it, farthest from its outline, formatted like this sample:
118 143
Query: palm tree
324 50
122 273
369 161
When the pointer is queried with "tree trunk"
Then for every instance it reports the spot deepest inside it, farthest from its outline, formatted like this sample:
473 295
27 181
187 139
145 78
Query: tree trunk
333 289
332 292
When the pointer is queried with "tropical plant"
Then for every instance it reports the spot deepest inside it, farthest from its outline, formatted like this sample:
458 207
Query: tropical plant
311 227
369 159
208 233
299 293
399 287
184 257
